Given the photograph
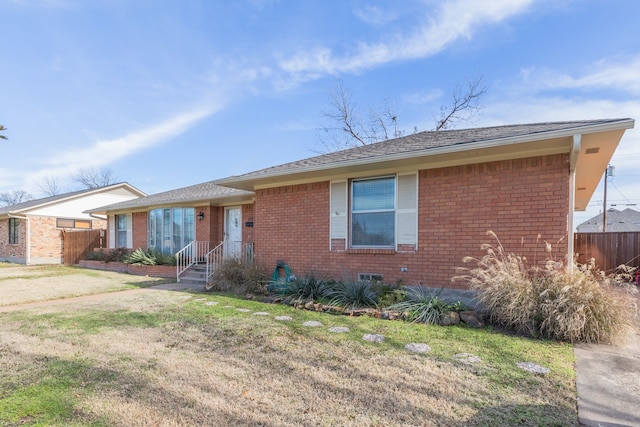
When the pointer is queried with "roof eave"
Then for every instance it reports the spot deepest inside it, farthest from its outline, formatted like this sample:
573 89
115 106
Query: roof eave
251 182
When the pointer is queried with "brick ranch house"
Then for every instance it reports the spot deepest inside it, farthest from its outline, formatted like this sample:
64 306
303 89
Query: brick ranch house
32 232
406 209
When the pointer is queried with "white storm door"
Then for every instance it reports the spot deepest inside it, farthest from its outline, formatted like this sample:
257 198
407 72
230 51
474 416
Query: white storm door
233 232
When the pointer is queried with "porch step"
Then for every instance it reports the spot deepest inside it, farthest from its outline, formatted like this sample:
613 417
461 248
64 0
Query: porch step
196 274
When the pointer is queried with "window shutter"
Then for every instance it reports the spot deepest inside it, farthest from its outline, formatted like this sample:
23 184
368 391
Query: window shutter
112 231
407 213
338 216
130 231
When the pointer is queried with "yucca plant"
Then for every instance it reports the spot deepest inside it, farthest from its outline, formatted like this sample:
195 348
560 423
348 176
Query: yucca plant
307 287
352 294
141 257
423 305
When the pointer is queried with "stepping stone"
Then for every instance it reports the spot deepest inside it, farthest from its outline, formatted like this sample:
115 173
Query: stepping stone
417 347
466 358
373 337
229 306
260 313
532 367
243 310
284 318
211 303
200 299
312 323
185 297
339 329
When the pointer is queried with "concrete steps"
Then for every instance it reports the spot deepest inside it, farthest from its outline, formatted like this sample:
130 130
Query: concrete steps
196 274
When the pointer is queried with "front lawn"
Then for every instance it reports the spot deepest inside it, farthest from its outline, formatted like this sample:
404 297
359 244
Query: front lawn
172 358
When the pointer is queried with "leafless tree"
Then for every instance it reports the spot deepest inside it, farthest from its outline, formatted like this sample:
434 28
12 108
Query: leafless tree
350 130
50 186
91 178
2 128
14 197
465 102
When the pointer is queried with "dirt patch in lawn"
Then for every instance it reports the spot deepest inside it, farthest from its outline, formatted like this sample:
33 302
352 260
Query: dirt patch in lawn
26 284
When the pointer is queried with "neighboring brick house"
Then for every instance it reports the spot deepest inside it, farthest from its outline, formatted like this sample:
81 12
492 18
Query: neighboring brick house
407 209
170 220
411 208
31 232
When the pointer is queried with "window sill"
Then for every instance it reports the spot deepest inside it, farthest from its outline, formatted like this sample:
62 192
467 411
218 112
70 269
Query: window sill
372 251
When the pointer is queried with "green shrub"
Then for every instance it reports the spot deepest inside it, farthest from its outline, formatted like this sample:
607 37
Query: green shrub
108 255
352 294
150 256
387 295
424 305
308 287
237 276
583 305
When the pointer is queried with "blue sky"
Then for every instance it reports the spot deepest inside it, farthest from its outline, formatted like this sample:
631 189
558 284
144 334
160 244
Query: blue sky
169 93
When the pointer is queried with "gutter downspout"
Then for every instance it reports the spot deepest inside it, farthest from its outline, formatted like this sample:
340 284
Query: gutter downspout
27 257
573 160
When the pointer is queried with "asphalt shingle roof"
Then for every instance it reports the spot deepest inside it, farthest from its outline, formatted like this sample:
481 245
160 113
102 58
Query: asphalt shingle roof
24 206
199 192
422 141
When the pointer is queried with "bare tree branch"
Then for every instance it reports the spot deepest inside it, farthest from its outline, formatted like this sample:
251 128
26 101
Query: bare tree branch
464 104
90 178
349 130
14 197
49 185
2 128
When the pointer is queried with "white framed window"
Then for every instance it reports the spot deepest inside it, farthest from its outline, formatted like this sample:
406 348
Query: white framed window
120 231
373 212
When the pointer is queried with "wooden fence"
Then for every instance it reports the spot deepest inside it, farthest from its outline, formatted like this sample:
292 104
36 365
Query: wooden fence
608 249
77 244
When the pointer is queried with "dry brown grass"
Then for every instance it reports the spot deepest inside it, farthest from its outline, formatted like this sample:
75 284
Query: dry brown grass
583 305
23 284
187 364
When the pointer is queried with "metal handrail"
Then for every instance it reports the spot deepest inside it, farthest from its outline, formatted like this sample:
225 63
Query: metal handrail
194 253
198 252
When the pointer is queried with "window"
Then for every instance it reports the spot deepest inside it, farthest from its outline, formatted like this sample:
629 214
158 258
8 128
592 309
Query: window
171 229
373 212
13 231
73 223
121 231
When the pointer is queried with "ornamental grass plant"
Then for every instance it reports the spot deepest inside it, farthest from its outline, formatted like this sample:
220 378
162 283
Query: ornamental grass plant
579 305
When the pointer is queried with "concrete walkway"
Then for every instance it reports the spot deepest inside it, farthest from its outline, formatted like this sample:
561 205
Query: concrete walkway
608 383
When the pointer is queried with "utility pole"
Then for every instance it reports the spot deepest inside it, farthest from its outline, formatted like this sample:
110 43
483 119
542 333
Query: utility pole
607 172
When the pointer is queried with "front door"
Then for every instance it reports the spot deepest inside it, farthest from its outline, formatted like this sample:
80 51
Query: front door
233 232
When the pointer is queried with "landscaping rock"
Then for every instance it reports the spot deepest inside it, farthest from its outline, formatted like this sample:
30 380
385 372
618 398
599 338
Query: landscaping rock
310 306
417 347
284 318
533 368
260 313
211 303
373 337
466 358
472 319
339 329
312 323
450 318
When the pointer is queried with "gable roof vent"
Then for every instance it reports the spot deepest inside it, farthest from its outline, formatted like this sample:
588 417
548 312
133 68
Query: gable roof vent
593 150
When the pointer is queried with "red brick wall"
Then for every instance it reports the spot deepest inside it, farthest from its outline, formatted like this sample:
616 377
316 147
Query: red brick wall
517 199
139 230
15 252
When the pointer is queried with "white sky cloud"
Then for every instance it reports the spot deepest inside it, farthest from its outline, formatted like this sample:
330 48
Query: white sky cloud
104 152
454 20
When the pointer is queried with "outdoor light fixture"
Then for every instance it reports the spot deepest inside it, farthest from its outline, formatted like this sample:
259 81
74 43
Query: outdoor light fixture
200 216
